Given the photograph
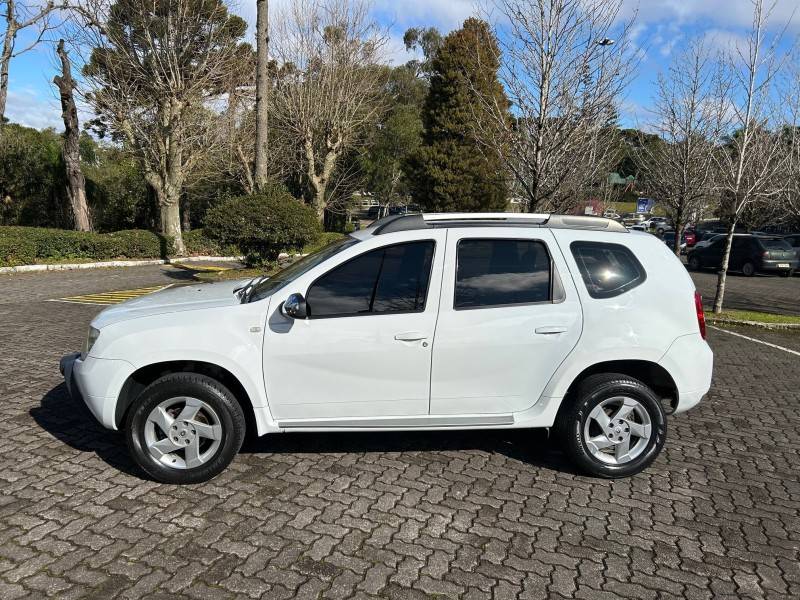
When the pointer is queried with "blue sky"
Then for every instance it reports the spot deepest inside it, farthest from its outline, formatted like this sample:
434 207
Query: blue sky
662 27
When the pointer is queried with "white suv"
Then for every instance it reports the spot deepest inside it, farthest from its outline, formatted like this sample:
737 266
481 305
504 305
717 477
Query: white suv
436 322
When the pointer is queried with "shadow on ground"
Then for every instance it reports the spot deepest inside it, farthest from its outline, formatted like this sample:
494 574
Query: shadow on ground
69 421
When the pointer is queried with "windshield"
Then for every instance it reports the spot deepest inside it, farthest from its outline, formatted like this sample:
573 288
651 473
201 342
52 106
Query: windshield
266 287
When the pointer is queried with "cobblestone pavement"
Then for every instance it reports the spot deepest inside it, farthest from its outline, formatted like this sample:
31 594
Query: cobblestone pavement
433 515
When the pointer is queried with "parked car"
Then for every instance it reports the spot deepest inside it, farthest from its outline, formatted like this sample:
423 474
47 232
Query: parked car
612 214
669 239
794 241
659 224
750 254
449 321
706 238
629 219
691 236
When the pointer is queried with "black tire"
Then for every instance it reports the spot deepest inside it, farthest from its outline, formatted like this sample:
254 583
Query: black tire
192 385
748 269
694 263
591 392
788 273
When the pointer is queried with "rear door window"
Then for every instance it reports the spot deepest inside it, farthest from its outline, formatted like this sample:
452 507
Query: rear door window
608 270
501 272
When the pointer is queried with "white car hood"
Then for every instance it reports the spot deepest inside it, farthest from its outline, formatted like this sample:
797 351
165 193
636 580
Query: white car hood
174 299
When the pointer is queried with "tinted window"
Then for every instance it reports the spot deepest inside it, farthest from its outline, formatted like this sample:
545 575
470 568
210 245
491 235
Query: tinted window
391 279
774 244
500 272
608 270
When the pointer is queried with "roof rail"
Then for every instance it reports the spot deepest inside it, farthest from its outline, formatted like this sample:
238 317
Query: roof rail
430 220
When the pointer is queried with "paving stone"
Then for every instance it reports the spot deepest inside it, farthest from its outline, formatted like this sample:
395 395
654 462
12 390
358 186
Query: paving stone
463 515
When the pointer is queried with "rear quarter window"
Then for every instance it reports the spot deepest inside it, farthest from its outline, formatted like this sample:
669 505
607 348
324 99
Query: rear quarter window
607 270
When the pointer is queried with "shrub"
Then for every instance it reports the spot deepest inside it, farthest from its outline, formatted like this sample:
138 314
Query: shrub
263 225
26 245
198 243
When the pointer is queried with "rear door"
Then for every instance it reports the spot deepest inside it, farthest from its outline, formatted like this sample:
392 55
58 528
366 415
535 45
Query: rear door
508 316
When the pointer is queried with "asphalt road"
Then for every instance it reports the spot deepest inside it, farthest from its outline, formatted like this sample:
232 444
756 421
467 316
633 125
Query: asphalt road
391 516
767 293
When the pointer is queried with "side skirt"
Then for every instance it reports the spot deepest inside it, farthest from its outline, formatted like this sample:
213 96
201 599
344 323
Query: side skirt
416 422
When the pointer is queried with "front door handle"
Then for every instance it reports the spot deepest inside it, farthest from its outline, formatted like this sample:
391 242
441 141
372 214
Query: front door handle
551 329
410 336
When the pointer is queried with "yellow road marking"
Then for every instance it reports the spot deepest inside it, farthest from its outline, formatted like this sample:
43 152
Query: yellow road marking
109 298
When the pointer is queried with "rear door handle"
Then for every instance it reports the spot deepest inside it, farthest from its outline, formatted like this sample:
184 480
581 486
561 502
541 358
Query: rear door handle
551 329
410 336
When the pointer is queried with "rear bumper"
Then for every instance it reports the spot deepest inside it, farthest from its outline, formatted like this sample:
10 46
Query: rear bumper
97 382
775 265
690 361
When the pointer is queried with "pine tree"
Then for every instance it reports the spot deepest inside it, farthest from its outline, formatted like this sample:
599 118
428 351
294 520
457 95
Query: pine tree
451 171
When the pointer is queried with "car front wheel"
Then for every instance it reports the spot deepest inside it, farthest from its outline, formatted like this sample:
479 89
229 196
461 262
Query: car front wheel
614 427
184 428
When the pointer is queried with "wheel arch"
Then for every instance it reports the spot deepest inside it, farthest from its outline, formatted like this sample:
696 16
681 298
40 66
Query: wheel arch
650 373
144 376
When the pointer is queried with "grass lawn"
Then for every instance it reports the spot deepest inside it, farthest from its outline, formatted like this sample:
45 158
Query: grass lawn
750 315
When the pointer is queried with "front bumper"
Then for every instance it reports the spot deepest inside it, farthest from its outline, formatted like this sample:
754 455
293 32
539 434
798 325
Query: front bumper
96 381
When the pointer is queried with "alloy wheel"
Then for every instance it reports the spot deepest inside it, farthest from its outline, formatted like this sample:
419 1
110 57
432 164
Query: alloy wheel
617 430
182 432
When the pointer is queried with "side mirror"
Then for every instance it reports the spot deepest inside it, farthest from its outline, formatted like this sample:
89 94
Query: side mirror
294 307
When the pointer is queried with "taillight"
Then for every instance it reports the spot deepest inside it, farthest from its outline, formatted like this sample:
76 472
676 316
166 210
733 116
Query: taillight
701 317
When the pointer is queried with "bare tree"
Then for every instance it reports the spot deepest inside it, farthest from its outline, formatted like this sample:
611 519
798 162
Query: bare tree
752 160
688 116
76 184
790 101
260 170
329 85
20 16
156 69
563 75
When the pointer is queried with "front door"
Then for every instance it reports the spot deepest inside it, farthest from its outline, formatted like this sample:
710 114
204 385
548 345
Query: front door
509 314
365 350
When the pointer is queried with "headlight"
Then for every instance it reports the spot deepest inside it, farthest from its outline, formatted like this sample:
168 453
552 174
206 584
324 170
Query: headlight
91 339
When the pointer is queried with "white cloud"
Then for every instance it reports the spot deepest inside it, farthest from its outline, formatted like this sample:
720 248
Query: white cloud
714 13
33 109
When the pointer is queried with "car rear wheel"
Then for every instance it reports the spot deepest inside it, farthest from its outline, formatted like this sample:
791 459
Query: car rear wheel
184 428
694 263
748 269
614 427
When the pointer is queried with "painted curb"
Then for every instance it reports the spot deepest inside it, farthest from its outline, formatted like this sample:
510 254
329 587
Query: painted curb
753 323
115 263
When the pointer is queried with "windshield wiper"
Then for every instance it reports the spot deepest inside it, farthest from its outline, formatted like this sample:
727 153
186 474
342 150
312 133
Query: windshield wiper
246 290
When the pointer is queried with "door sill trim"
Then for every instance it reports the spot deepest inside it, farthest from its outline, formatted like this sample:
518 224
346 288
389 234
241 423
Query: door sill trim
391 422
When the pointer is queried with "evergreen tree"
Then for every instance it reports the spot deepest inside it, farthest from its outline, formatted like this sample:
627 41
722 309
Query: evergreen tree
451 171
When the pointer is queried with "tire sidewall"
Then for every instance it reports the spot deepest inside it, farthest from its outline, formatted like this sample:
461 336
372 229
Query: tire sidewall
202 388
588 402
694 263
752 270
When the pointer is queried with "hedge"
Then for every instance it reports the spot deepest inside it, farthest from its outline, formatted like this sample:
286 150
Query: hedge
31 245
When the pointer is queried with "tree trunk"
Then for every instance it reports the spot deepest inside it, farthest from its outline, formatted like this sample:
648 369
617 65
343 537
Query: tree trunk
723 272
169 207
171 219
676 245
76 184
262 92
5 59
